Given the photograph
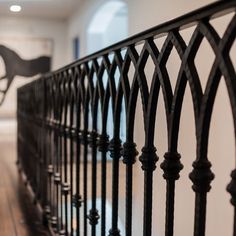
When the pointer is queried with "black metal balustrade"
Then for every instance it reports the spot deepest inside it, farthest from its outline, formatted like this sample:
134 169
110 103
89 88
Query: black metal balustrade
63 119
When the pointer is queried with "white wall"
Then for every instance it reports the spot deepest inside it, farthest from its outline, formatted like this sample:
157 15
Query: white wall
141 16
38 28
108 26
18 27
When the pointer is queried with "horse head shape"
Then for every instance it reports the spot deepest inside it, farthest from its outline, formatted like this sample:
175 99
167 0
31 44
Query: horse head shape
15 65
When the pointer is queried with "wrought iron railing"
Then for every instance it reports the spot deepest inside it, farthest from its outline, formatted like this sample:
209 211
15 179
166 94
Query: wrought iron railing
65 120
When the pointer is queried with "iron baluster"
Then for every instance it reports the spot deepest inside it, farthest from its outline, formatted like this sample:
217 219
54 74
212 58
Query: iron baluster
103 142
115 152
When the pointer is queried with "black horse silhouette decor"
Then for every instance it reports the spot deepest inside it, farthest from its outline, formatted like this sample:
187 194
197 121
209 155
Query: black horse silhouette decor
15 65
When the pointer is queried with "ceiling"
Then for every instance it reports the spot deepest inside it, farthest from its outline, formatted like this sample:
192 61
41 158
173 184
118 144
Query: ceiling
58 9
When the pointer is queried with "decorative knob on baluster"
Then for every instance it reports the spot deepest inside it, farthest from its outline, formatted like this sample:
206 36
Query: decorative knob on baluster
77 200
83 136
46 215
92 139
54 222
65 188
62 232
115 147
129 153
57 178
231 188
102 142
171 165
93 216
148 158
201 176
50 170
114 232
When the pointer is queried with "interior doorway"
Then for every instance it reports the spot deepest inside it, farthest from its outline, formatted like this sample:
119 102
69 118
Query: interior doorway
108 26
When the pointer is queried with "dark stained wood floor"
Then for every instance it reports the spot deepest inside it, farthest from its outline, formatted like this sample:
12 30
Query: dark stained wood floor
18 215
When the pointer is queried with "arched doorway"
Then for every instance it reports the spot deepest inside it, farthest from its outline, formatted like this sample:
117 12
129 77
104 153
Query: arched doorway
108 25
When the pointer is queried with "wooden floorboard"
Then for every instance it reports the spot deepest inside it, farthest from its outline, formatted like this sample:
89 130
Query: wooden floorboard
7 227
18 215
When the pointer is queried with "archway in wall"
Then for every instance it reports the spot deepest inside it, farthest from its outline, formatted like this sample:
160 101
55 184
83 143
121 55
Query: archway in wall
108 26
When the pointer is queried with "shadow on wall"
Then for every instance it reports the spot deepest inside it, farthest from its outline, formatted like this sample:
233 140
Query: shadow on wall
15 65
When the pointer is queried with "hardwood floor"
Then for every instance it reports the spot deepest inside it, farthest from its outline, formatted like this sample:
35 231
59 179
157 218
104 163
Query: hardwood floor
18 215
